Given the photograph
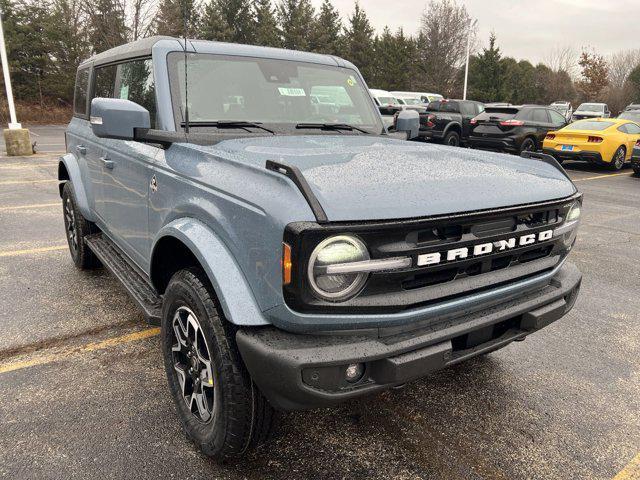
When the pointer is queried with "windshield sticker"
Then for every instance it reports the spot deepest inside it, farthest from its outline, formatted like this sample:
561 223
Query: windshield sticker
351 81
124 92
292 92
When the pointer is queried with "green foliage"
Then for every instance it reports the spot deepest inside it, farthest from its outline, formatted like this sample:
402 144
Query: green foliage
393 67
106 24
358 43
634 81
326 33
228 21
486 72
266 24
296 22
170 16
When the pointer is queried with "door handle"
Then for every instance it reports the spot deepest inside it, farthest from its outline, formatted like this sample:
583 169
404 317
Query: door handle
107 163
81 149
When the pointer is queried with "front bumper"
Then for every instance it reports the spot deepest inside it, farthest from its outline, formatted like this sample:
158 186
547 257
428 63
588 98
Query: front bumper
583 155
300 371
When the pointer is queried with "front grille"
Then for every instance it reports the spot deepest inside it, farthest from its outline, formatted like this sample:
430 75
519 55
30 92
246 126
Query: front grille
422 285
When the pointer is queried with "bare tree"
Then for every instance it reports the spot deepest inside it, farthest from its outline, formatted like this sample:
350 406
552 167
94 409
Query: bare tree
442 43
140 15
563 59
620 66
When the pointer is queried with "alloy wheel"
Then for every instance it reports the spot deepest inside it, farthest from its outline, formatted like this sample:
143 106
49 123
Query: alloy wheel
619 160
72 233
192 364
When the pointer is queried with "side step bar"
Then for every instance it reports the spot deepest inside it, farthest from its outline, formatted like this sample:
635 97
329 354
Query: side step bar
112 258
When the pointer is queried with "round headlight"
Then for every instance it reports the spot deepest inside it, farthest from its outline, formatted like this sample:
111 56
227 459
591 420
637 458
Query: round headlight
331 251
574 212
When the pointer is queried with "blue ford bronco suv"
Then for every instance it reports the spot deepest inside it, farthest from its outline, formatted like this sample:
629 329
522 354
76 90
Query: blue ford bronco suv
294 253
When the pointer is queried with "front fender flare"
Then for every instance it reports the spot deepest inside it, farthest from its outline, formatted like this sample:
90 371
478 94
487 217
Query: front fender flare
234 293
70 164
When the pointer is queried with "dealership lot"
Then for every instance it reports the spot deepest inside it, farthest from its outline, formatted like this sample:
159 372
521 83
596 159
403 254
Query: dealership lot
83 393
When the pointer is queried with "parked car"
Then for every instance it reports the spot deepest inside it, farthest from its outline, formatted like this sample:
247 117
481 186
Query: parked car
449 121
607 142
424 98
632 106
514 128
387 103
635 158
564 108
633 115
591 110
296 258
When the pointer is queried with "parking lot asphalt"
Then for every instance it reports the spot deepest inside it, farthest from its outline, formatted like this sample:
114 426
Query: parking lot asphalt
45 138
83 392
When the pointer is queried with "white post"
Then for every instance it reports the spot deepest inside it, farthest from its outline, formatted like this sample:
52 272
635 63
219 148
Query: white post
466 65
7 80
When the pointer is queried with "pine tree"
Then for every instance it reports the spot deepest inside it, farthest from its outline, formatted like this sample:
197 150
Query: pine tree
392 61
266 25
486 74
296 21
169 19
228 21
358 43
107 24
326 35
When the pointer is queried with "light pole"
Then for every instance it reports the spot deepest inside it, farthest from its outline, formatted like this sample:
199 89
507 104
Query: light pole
7 80
466 65
17 140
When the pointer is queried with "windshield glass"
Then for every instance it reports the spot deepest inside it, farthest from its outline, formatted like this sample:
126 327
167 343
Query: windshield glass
591 107
588 125
411 101
248 89
387 100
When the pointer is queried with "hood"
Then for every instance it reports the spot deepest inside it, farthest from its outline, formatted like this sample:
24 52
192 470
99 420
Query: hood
377 178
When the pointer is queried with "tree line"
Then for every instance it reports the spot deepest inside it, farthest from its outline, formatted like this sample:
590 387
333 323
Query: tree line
47 39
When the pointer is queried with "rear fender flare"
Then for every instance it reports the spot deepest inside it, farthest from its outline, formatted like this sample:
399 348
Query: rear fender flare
454 126
229 283
69 163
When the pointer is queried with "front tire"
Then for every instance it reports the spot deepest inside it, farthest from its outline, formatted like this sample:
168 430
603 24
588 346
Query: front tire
636 171
617 162
77 228
218 404
452 139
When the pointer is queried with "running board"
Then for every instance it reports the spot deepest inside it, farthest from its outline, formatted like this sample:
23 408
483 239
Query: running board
113 258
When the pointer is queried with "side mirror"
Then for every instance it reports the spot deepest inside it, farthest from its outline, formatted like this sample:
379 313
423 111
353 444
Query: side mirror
408 121
117 118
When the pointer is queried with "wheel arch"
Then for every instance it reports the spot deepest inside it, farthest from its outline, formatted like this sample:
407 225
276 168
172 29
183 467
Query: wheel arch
69 171
453 126
187 242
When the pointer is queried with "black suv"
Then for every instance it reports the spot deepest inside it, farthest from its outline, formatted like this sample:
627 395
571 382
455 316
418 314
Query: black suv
514 128
449 121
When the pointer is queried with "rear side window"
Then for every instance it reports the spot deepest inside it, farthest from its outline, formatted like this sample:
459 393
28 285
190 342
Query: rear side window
556 118
632 128
444 106
129 81
540 115
80 93
467 108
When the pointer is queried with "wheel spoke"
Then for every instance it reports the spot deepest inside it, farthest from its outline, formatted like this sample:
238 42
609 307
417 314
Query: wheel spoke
182 379
201 404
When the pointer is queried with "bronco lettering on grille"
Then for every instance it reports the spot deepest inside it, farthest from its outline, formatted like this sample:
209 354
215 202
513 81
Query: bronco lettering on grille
483 248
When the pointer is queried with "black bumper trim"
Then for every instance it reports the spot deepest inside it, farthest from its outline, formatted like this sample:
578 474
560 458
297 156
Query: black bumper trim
583 156
299 371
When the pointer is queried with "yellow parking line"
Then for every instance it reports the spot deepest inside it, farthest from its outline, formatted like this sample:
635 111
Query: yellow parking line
29 251
24 182
27 207
631 471
90 347
602 176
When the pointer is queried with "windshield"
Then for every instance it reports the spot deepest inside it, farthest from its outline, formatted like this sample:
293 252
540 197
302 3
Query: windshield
387 100
589 125
411 101
591 107
279 92
560 108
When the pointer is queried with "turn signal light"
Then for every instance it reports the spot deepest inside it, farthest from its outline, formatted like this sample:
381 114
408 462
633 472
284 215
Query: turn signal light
473 121
286 264
638 144
550 136
594 139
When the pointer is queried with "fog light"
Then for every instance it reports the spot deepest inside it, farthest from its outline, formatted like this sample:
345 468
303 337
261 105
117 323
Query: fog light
354 372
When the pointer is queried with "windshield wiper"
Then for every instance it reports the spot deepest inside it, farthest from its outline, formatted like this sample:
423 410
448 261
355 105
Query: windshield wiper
230 124
332 126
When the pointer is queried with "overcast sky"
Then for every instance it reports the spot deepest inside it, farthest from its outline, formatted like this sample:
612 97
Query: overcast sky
526 29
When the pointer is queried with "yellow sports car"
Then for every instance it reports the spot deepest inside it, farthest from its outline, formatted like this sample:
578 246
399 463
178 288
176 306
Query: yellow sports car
603 141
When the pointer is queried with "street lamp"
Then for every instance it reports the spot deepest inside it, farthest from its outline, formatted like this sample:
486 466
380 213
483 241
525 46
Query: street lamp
466 65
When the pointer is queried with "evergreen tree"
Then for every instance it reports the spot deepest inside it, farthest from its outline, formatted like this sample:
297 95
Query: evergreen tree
169 19
393 61
107 24
228 21
296 21
266 25
486 74
358 43
326 35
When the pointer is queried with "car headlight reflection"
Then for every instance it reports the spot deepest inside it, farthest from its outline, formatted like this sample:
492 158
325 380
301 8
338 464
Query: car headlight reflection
569 228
